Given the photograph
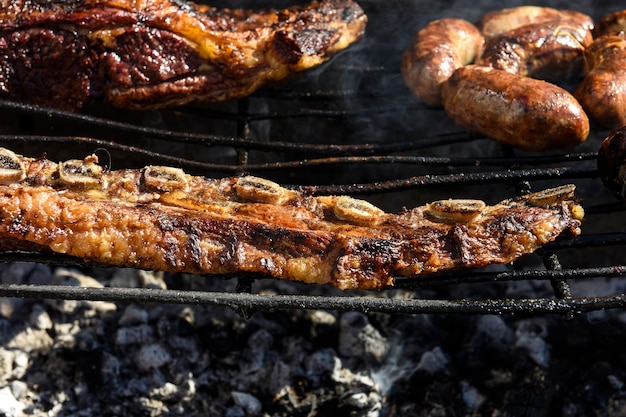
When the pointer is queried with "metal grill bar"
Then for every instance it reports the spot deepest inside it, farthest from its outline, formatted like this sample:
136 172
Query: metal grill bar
352 160
253 302
457 277
236 141
426 161
459 179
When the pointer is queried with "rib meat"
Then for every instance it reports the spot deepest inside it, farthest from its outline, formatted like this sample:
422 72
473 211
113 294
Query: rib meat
163 219
157 53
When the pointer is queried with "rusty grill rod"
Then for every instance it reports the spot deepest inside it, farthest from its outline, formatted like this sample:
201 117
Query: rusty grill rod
236 141
425 161
255 302
376 187
461 178
307 113
315 162
455 278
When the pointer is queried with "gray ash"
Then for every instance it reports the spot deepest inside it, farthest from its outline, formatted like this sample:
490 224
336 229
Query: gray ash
100 358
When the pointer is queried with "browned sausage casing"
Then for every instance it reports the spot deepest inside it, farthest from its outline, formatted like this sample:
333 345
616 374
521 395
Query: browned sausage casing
612 24
435 53
602 92
551 50
612 162
518 111
500 21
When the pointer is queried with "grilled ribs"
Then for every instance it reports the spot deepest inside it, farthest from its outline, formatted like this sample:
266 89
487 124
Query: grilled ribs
156 53
161 218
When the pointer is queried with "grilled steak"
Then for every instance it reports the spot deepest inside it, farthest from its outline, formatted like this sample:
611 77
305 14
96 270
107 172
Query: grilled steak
158 53
161 218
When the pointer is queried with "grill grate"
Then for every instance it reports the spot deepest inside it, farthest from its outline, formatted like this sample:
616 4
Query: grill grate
247 303
397 162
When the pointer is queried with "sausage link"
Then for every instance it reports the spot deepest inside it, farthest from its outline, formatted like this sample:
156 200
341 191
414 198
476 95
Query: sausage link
435 52
612 24
602 92
612 162
514 110
552 50
500 21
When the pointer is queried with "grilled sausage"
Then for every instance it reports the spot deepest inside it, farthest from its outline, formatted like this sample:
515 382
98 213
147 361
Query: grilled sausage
612 24
602 92
515 110
435 52
550 50
612 162
500 21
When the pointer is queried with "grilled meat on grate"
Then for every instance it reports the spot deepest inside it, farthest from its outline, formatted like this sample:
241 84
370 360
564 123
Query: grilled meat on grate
435 52
161 218
158 53
518 111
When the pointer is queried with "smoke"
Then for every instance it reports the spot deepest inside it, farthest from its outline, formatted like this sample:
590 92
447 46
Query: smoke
395 368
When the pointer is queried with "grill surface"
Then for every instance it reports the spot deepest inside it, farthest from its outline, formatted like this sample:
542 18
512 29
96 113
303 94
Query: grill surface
350 127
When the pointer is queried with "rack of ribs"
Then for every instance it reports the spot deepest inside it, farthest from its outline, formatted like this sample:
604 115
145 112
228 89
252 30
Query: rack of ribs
147 54
161 218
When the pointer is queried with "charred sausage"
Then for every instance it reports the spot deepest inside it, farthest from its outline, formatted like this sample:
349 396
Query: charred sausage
435 52
500 21
612 162
550 50
612 24
602 92
515 110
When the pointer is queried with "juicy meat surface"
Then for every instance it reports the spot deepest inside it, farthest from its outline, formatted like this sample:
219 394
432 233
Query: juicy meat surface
435 52
157 53
602 92
498 22
514 110
161 218
550 50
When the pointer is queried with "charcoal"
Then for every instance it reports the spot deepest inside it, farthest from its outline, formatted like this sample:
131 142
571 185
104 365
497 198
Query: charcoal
249 403
9 406
152 356
359 338
133 315
40 318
